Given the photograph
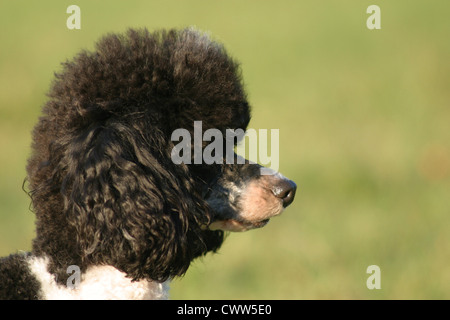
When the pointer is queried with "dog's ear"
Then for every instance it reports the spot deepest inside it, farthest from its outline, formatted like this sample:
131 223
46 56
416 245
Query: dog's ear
130 205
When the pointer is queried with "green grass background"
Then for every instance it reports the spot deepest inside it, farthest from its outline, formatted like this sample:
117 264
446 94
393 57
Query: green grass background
364 119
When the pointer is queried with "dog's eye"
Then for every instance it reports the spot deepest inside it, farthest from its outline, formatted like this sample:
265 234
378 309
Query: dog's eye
205 173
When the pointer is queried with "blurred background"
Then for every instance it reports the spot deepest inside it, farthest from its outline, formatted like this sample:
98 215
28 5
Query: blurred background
364 120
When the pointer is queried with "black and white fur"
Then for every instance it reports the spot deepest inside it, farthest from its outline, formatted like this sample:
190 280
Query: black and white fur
106 194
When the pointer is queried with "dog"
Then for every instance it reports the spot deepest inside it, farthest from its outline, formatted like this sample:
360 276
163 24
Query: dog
116 218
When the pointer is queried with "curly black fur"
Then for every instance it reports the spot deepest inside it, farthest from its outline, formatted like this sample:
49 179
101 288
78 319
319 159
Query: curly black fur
103 185
16 281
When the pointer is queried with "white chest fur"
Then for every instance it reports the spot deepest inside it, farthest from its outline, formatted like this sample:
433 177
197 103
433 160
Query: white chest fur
98 282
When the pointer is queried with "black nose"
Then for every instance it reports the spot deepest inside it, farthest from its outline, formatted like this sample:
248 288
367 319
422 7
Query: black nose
285 190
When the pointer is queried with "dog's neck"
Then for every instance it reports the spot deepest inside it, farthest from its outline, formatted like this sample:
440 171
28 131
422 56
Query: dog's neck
98 282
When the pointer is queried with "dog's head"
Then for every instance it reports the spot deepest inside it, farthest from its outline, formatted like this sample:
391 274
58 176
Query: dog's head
103 184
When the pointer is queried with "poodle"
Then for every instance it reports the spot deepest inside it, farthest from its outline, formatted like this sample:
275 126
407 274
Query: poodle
116 218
